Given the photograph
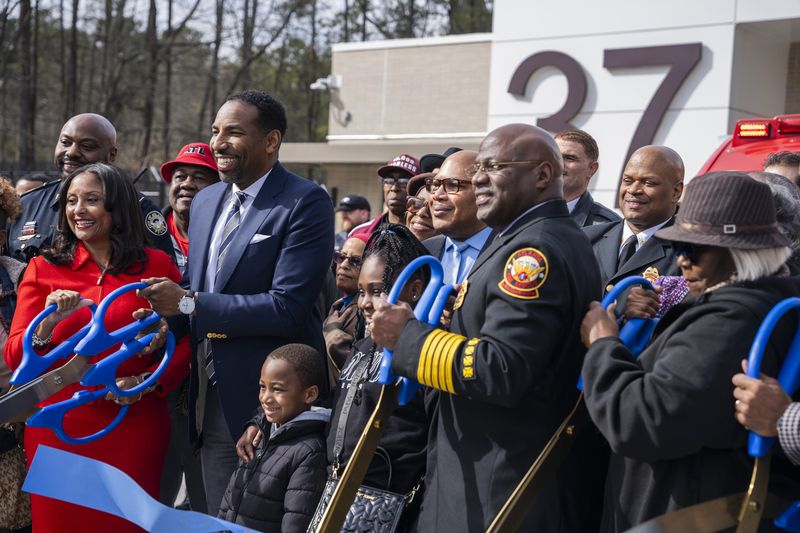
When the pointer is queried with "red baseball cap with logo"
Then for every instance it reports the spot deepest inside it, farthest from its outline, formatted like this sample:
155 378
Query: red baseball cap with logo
197 154
402 162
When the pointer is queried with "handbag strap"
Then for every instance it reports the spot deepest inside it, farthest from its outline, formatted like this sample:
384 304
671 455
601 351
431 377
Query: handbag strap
341 426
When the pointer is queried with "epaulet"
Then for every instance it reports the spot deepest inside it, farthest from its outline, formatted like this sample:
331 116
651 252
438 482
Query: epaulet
41 188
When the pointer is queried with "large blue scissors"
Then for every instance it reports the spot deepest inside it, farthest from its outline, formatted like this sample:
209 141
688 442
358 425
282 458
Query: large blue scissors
32 387
429 310
745 510
393 392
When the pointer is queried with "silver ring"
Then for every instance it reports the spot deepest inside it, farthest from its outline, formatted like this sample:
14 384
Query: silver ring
738 403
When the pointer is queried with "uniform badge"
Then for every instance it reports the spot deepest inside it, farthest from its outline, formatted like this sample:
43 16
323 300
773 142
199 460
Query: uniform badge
28 231
461 294
155 223
524 273
650 274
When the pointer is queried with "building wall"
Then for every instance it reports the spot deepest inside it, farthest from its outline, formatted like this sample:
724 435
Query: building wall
412 86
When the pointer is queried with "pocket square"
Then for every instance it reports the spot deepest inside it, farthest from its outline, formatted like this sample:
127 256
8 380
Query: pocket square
258 237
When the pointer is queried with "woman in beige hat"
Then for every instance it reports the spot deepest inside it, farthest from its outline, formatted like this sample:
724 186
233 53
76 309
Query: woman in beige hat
669 415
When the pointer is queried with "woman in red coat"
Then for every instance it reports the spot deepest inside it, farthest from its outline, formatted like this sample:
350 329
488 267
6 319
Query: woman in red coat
100 247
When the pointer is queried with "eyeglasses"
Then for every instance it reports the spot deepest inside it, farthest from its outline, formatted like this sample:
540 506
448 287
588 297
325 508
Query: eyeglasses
451 185
493 167
391 182
415 203
354 260
690 251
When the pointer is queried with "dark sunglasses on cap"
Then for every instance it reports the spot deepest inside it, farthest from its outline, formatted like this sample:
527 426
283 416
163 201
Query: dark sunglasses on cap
354 260
692 252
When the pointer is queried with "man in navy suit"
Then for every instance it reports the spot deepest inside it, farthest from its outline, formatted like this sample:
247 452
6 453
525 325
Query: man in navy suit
262 240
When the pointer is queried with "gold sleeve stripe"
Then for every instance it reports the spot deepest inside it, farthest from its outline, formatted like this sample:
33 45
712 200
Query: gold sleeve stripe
435 366
423 356
433 354
450 354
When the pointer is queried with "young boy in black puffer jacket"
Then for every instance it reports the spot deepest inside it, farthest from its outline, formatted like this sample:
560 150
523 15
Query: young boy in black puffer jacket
278 488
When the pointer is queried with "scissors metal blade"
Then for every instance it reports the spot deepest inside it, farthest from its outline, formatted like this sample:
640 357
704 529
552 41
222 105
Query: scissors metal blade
708 517
19 403
753 504
353 474
541 472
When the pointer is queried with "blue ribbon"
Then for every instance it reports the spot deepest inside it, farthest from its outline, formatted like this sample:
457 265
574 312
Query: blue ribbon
58 474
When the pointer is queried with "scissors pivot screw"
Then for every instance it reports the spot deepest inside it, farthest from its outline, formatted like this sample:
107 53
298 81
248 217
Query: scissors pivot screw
570 430
754 506
58 379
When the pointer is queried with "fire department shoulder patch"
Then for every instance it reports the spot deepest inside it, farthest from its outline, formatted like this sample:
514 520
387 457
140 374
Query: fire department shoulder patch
155 223
525 272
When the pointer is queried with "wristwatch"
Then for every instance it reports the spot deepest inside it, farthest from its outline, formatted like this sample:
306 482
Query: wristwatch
186 304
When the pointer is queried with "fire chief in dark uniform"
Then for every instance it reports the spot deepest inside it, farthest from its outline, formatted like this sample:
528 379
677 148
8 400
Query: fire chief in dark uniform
507 371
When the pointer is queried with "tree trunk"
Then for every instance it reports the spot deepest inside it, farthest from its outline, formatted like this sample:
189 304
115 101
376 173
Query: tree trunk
312 97
167 82
25 94
72 67
148 109
209 108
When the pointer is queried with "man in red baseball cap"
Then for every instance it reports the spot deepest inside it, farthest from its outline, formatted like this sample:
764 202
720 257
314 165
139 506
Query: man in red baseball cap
193 169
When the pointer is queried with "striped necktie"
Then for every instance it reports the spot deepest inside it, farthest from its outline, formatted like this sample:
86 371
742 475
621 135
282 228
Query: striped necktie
232 220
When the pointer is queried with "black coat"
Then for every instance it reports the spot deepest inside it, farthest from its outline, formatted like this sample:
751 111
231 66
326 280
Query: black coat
587 212
669 416
508 373
606 240
399 462
278 491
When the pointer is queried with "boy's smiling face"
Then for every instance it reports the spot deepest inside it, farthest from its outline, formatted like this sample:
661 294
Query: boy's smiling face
281 393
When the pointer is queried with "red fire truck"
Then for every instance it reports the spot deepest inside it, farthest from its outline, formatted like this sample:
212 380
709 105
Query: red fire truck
752 141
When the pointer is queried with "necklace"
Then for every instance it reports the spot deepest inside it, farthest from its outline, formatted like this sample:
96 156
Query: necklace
102 273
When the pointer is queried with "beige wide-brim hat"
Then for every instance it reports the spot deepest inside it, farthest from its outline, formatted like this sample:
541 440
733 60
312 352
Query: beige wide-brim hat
726 209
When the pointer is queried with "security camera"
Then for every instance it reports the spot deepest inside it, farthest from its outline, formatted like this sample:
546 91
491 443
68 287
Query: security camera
320 85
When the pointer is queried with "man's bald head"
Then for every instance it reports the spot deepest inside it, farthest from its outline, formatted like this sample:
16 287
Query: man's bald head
84 139
651 186
522 167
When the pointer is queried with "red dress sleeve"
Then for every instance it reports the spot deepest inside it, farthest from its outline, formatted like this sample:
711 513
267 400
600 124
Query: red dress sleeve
30 301
178 368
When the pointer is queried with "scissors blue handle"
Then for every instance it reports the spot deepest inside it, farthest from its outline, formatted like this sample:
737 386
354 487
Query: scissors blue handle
105 372
95 340
52 416
636 332
789 376
98 339
33 364
428 310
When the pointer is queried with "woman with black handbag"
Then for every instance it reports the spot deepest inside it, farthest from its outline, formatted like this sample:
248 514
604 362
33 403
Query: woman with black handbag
389 491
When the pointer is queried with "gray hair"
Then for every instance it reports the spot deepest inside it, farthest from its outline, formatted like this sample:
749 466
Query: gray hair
786 196
756 264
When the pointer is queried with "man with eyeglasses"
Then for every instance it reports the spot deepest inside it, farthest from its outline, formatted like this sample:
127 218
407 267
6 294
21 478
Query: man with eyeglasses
454 215
506 371
394 176
652 183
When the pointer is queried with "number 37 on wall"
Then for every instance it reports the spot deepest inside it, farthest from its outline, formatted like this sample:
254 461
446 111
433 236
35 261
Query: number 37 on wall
681 58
